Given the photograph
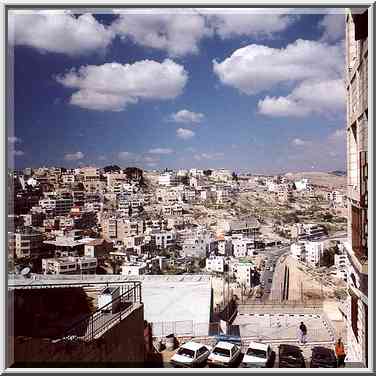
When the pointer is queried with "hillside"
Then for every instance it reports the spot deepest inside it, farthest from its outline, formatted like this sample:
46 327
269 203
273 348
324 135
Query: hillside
320 178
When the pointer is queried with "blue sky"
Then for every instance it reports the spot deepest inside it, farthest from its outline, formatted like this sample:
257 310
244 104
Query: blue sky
260 91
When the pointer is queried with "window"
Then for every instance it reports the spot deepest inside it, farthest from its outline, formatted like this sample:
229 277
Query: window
186 352
221 352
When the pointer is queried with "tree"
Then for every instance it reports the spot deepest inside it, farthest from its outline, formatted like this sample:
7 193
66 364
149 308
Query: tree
327 217
207 172
234 176
112 168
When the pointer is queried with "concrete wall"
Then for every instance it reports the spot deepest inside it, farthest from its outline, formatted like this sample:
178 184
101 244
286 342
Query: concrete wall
123 344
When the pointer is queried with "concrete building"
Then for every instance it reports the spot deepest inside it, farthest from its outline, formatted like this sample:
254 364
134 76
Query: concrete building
242 272
302 185
243 247
69 265
163 239
118 228
357 182
298 250
249 227
341 264
134 268
215 264
49 328
24 242
225 246
314 252
310 231
200 244
167 179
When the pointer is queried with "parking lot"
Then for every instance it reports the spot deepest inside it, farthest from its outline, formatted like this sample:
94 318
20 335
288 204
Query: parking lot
306 350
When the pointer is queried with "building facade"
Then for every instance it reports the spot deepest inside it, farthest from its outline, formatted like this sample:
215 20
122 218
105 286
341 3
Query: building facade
357 182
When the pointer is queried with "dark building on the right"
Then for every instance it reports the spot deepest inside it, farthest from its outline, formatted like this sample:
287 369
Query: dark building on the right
357 183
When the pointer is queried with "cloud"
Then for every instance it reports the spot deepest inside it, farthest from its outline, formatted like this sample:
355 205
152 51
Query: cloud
125 155
187 117
209 156
185 134
149 159
18 153
74 156
58 31
338 135
333 27
255 22
13 140
180 31
111 86
257 68
299 142
176 31
310 97
102 158
160 151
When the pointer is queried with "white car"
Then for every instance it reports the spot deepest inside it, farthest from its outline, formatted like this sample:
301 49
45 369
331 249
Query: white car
257 355
191 354
224 354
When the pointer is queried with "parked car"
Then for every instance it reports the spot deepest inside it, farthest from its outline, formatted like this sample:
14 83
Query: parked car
224 354
291 356
257 355
191 354
323 357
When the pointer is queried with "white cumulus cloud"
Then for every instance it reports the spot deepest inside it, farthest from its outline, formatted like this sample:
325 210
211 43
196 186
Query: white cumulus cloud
58 31
125 155
185 134
299 142
250 22
160 151
13 140
310 97
176 31
333 27
187 117
18 153
209 156
74 156
256 68
111 86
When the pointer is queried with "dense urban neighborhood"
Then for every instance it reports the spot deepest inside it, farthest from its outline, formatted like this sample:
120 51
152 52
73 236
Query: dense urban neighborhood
124 266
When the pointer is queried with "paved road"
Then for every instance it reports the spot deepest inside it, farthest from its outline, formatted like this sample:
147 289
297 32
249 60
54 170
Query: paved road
268 274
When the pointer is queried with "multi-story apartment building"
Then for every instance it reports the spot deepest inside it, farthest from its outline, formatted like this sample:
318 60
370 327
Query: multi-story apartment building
357 180
24 242
314 252
118 228
243 247
167 179
298 251
69 265
215 264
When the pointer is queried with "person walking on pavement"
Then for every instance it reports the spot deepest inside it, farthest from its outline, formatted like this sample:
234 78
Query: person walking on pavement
303 333
340 353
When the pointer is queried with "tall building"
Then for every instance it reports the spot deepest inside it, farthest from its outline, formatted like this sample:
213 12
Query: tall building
357 181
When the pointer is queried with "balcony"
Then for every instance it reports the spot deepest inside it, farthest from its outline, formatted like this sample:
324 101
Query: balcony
359 261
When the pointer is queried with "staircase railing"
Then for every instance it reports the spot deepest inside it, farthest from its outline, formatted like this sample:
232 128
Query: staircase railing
89 327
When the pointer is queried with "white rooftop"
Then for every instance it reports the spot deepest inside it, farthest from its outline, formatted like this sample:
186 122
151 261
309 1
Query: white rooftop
225 345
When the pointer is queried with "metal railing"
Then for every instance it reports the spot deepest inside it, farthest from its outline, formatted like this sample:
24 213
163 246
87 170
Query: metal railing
92 325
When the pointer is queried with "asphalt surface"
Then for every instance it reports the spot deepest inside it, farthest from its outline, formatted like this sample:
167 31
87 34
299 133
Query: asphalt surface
268 273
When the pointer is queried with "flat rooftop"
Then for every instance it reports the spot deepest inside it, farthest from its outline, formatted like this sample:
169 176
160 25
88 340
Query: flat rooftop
173 303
